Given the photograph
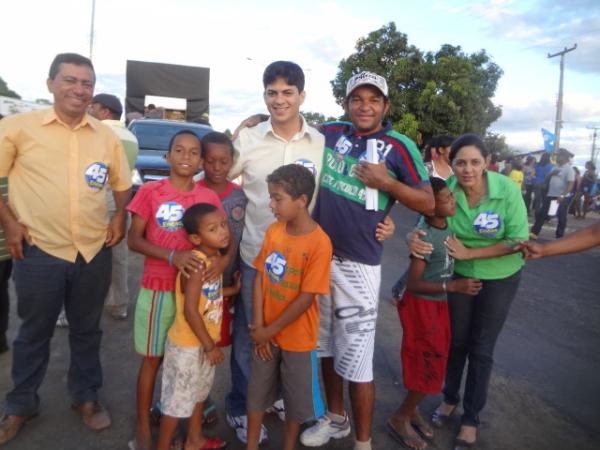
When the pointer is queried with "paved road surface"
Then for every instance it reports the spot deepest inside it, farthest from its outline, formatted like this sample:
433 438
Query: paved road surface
545 390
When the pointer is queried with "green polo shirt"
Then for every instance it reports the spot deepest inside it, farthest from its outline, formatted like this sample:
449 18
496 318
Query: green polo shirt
499 217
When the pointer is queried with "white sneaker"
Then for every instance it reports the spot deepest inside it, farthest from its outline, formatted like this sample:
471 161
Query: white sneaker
278 408
240 424
324 430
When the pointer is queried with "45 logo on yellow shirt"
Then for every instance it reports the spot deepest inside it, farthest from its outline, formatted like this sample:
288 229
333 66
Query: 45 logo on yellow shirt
487 223
96 175
275 265
169 215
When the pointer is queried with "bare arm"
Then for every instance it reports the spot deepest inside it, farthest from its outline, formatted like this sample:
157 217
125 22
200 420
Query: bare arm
193 291
583 239
418 285
458 251
14 232
117 225
376 176
186 261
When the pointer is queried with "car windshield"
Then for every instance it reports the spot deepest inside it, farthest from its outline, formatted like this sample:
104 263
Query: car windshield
153 137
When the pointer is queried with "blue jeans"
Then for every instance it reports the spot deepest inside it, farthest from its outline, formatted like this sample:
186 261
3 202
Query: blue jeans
241 350
400 285
43 284
476 322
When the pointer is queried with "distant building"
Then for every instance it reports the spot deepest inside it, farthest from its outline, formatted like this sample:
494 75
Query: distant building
9 106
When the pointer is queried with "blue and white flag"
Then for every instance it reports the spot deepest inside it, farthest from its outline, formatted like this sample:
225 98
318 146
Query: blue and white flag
548 140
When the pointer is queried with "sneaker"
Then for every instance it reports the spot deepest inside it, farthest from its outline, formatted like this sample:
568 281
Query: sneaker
62 321
240 424
117 312
278 408
324 430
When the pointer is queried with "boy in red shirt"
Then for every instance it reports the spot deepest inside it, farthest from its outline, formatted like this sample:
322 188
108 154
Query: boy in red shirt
157 232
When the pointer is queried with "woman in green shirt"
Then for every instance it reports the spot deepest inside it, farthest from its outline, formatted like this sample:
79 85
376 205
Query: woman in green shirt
490 220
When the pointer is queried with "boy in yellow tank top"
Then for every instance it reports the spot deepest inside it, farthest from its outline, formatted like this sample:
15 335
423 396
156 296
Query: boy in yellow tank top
191 353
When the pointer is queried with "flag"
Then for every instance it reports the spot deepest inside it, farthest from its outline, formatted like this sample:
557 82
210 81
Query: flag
548 140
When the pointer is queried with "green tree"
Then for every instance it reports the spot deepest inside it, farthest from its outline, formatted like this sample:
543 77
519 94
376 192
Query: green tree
496 145
447 91
316 119
5 91
43 101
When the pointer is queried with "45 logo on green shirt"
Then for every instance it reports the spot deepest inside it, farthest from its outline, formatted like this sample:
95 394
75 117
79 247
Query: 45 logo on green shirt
96 175
487 223
169 215
275 265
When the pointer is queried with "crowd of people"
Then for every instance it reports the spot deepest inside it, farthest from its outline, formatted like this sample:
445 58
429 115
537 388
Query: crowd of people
285 268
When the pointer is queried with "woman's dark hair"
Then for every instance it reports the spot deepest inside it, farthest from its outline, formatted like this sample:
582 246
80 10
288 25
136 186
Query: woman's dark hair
68 58
443 140
179 133
194 214
216 137
466 140
291 72
437 184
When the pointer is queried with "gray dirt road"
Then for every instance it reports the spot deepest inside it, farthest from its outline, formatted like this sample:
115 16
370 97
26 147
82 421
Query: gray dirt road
545 390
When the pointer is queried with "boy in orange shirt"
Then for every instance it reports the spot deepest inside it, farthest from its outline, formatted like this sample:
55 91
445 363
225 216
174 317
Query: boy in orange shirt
293 268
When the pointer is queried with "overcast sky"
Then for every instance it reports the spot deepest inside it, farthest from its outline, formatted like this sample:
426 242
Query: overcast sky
237 39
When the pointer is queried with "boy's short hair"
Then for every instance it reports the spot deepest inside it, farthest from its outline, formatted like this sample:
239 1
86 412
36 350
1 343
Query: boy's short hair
179 133
295 179
194 214
215 137
437 184
291 72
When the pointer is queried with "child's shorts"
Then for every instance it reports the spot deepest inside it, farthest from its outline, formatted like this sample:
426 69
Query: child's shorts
154 315
187 379
297 374
425 343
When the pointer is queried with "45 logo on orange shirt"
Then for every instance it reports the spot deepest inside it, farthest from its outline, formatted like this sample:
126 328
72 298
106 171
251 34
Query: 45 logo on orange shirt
169 215
96 175
487 223
275 265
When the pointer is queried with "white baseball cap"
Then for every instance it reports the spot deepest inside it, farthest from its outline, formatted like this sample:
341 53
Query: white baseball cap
367 78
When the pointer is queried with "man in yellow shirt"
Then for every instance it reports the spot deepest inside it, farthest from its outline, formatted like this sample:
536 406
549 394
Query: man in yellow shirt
59 162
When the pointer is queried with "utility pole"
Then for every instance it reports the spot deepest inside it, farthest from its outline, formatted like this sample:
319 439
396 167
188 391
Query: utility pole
559 104
92 28
594 155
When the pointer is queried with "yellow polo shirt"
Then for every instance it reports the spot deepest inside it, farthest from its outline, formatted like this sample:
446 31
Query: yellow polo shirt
58 177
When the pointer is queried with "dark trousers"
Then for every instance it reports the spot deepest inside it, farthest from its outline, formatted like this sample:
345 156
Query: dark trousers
5 269
241 349
44 284
561 215
476 322
528 196
539 192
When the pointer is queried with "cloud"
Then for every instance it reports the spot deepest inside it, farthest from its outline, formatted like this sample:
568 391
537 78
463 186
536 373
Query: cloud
545 26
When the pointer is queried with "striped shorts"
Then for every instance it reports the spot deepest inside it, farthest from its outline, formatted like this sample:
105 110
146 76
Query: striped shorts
349 317
154 315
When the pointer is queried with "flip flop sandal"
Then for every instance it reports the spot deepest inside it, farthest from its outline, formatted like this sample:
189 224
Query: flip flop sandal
405 441
213 443
209 416
421 429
